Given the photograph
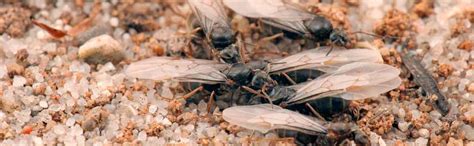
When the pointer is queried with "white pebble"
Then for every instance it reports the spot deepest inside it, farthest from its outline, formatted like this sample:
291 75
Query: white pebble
401 113
152 109
403 126
70 122
55 107
3 70
142 136
18 81
468 132
107 67
2 116
166 122
416 114
114 21
424 133
59 130
421 142
43 104
102 49
376 139
212 131
37 141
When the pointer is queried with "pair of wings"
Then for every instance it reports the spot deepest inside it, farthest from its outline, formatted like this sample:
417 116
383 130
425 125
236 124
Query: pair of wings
352 81
266 117
210 72
278 13
210 13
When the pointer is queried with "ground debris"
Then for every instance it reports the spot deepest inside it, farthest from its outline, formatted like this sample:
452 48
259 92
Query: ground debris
14 20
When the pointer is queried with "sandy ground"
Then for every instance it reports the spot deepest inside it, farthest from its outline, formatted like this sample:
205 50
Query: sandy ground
67 87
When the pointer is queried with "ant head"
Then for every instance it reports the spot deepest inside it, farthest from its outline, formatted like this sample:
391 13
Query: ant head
339 37
260 79
319 27
230 54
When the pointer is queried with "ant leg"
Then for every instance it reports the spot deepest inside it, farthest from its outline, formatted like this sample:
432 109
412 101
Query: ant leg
264 89
289 79
232 97
330 50
314 111
267 39
186 96
210 102
257 93
242 48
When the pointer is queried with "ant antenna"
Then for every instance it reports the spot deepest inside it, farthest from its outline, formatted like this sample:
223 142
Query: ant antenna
375 35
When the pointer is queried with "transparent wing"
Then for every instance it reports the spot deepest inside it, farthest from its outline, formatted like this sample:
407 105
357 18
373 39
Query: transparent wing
266 117
356 93
320 60
210 13
275 9
352 81
297 27
243 7
277 13
184 70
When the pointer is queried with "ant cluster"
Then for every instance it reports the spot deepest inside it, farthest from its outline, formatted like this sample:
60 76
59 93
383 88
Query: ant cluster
274 94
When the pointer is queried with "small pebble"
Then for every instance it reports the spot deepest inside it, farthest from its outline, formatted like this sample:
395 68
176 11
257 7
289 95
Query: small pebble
59 129
18 81
424 133
469 114
471 143
142 136
470 88
114 22
70 122
416 114
152 109
211 132
401 113
166 122
376 139
468 132
43 104
102 49
421 142
3 70
455 142
403 126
